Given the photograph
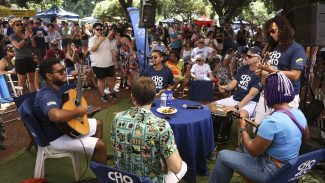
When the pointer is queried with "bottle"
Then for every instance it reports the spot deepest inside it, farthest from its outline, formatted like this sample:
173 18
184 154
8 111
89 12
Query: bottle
169 94
163 100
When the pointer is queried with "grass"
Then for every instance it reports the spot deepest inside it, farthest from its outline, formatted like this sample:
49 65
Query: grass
21 165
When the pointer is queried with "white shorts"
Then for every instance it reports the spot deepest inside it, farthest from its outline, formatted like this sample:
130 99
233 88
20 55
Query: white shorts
262 110
249 107
67 143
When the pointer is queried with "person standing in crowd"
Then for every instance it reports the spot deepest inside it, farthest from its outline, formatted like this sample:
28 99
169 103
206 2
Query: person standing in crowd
54 22
151 138
48 109
241 38
101 61
175 40
162 48
159 73
52 33
41 46
66 35
23 45
278 139
285 55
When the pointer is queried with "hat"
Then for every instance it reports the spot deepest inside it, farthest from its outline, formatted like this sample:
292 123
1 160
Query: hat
13 20
256 50
54 42
9 47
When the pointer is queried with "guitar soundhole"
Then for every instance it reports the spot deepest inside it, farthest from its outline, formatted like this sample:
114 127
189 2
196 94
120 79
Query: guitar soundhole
76 103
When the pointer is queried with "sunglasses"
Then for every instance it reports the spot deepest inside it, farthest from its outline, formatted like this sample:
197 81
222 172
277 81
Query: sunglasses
154 57
36 23
201 42
250 56
272 31
61 71
17 25
99 29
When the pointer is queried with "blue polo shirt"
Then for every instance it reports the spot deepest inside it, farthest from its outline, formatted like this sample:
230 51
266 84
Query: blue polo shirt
293 58
246 80
46 99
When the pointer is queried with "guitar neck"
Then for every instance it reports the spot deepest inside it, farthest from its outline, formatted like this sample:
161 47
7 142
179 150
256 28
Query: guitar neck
79 85
251 122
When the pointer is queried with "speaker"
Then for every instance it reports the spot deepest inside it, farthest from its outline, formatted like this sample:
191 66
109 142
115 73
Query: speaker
309 24
147 13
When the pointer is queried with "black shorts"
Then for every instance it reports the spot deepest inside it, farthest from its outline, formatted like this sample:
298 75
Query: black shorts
25 65
103 72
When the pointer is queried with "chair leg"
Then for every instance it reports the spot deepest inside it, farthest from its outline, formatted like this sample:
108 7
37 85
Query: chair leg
39 164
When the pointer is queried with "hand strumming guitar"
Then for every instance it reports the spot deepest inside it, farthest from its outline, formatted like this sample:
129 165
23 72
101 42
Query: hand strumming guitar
81 111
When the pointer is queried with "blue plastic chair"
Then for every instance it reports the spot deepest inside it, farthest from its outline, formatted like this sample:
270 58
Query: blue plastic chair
5 95
44 148
201 90
296 168
106 174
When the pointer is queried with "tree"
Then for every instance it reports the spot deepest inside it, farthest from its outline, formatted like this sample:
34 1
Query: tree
287 5
108 8
83 8
230 8
256 13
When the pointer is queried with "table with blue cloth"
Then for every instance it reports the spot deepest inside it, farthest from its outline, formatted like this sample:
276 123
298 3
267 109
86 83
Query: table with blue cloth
193 131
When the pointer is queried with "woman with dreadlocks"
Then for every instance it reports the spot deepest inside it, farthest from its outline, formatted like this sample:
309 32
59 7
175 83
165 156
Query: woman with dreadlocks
285 55
278 138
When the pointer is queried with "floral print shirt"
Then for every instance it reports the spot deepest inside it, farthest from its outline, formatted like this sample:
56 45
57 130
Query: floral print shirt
140 140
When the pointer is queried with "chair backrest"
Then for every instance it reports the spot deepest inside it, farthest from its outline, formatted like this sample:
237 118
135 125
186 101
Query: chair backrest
201 90
298 167
30 121
20 99
5 95
106 174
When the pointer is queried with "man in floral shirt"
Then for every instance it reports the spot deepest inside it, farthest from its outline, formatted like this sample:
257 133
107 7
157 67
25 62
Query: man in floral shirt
141 140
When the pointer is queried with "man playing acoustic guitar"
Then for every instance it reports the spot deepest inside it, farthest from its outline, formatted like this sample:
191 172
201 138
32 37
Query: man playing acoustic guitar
48 109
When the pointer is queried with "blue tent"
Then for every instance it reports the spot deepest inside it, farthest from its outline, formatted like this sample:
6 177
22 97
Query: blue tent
55 11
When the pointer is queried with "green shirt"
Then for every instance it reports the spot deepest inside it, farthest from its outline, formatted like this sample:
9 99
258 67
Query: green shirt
139 139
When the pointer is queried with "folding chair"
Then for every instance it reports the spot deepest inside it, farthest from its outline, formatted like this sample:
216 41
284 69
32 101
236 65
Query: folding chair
296 168
44 148
106 174
201 90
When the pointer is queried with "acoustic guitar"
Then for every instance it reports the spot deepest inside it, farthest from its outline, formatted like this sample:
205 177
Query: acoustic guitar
71 100
236 114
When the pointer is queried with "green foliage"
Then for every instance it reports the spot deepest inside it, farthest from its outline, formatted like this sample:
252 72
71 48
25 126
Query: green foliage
108 8
83 8
256 13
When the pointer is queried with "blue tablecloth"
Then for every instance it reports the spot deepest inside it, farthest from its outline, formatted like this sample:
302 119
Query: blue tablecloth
193 131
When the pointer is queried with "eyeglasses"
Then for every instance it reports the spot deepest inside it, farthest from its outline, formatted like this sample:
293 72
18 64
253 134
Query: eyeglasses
37 23
273 31
17 25
154 57
201 42
61 71
99 29
251 56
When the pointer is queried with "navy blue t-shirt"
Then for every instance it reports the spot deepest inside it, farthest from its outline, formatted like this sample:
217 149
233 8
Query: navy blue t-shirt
294 58
162 78
40 40
46 99
246 80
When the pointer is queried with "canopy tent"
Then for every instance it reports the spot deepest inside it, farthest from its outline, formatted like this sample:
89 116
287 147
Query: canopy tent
6 11
89 19
171 21
55 11
240 22
203 21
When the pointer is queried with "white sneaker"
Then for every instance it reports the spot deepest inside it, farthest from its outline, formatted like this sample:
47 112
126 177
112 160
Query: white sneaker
106 91
116 90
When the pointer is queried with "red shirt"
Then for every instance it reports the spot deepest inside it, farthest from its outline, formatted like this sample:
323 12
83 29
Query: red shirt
55 53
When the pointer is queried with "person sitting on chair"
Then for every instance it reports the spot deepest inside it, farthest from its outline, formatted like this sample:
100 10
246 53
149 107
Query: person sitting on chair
6 63
144 143
48 110
277 141
248 85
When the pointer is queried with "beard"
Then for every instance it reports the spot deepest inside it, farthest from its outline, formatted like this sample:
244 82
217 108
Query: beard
58 82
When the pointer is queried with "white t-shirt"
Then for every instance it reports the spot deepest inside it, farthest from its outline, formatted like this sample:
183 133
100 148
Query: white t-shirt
205 51
201 71
102 57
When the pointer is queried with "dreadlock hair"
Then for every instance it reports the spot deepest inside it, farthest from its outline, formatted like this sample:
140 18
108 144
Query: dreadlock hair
286 33
278 89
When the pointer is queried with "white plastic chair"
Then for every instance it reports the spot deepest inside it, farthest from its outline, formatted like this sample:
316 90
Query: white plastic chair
18 90
44 148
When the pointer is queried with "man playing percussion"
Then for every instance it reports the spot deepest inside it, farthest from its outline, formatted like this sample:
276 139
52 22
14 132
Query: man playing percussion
248 84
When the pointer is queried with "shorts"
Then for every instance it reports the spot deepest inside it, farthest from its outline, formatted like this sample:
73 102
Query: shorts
249 107
103 72
67 143
25 65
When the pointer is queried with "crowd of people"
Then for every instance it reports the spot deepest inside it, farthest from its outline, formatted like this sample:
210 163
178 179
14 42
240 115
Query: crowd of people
261 70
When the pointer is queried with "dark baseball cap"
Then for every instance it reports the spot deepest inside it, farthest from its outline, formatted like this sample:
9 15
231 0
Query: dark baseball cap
256 50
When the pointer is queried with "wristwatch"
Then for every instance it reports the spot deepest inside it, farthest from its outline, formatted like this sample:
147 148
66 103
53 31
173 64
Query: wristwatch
236 107
241 130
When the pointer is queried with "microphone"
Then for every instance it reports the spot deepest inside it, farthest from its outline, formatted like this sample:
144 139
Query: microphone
184 106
